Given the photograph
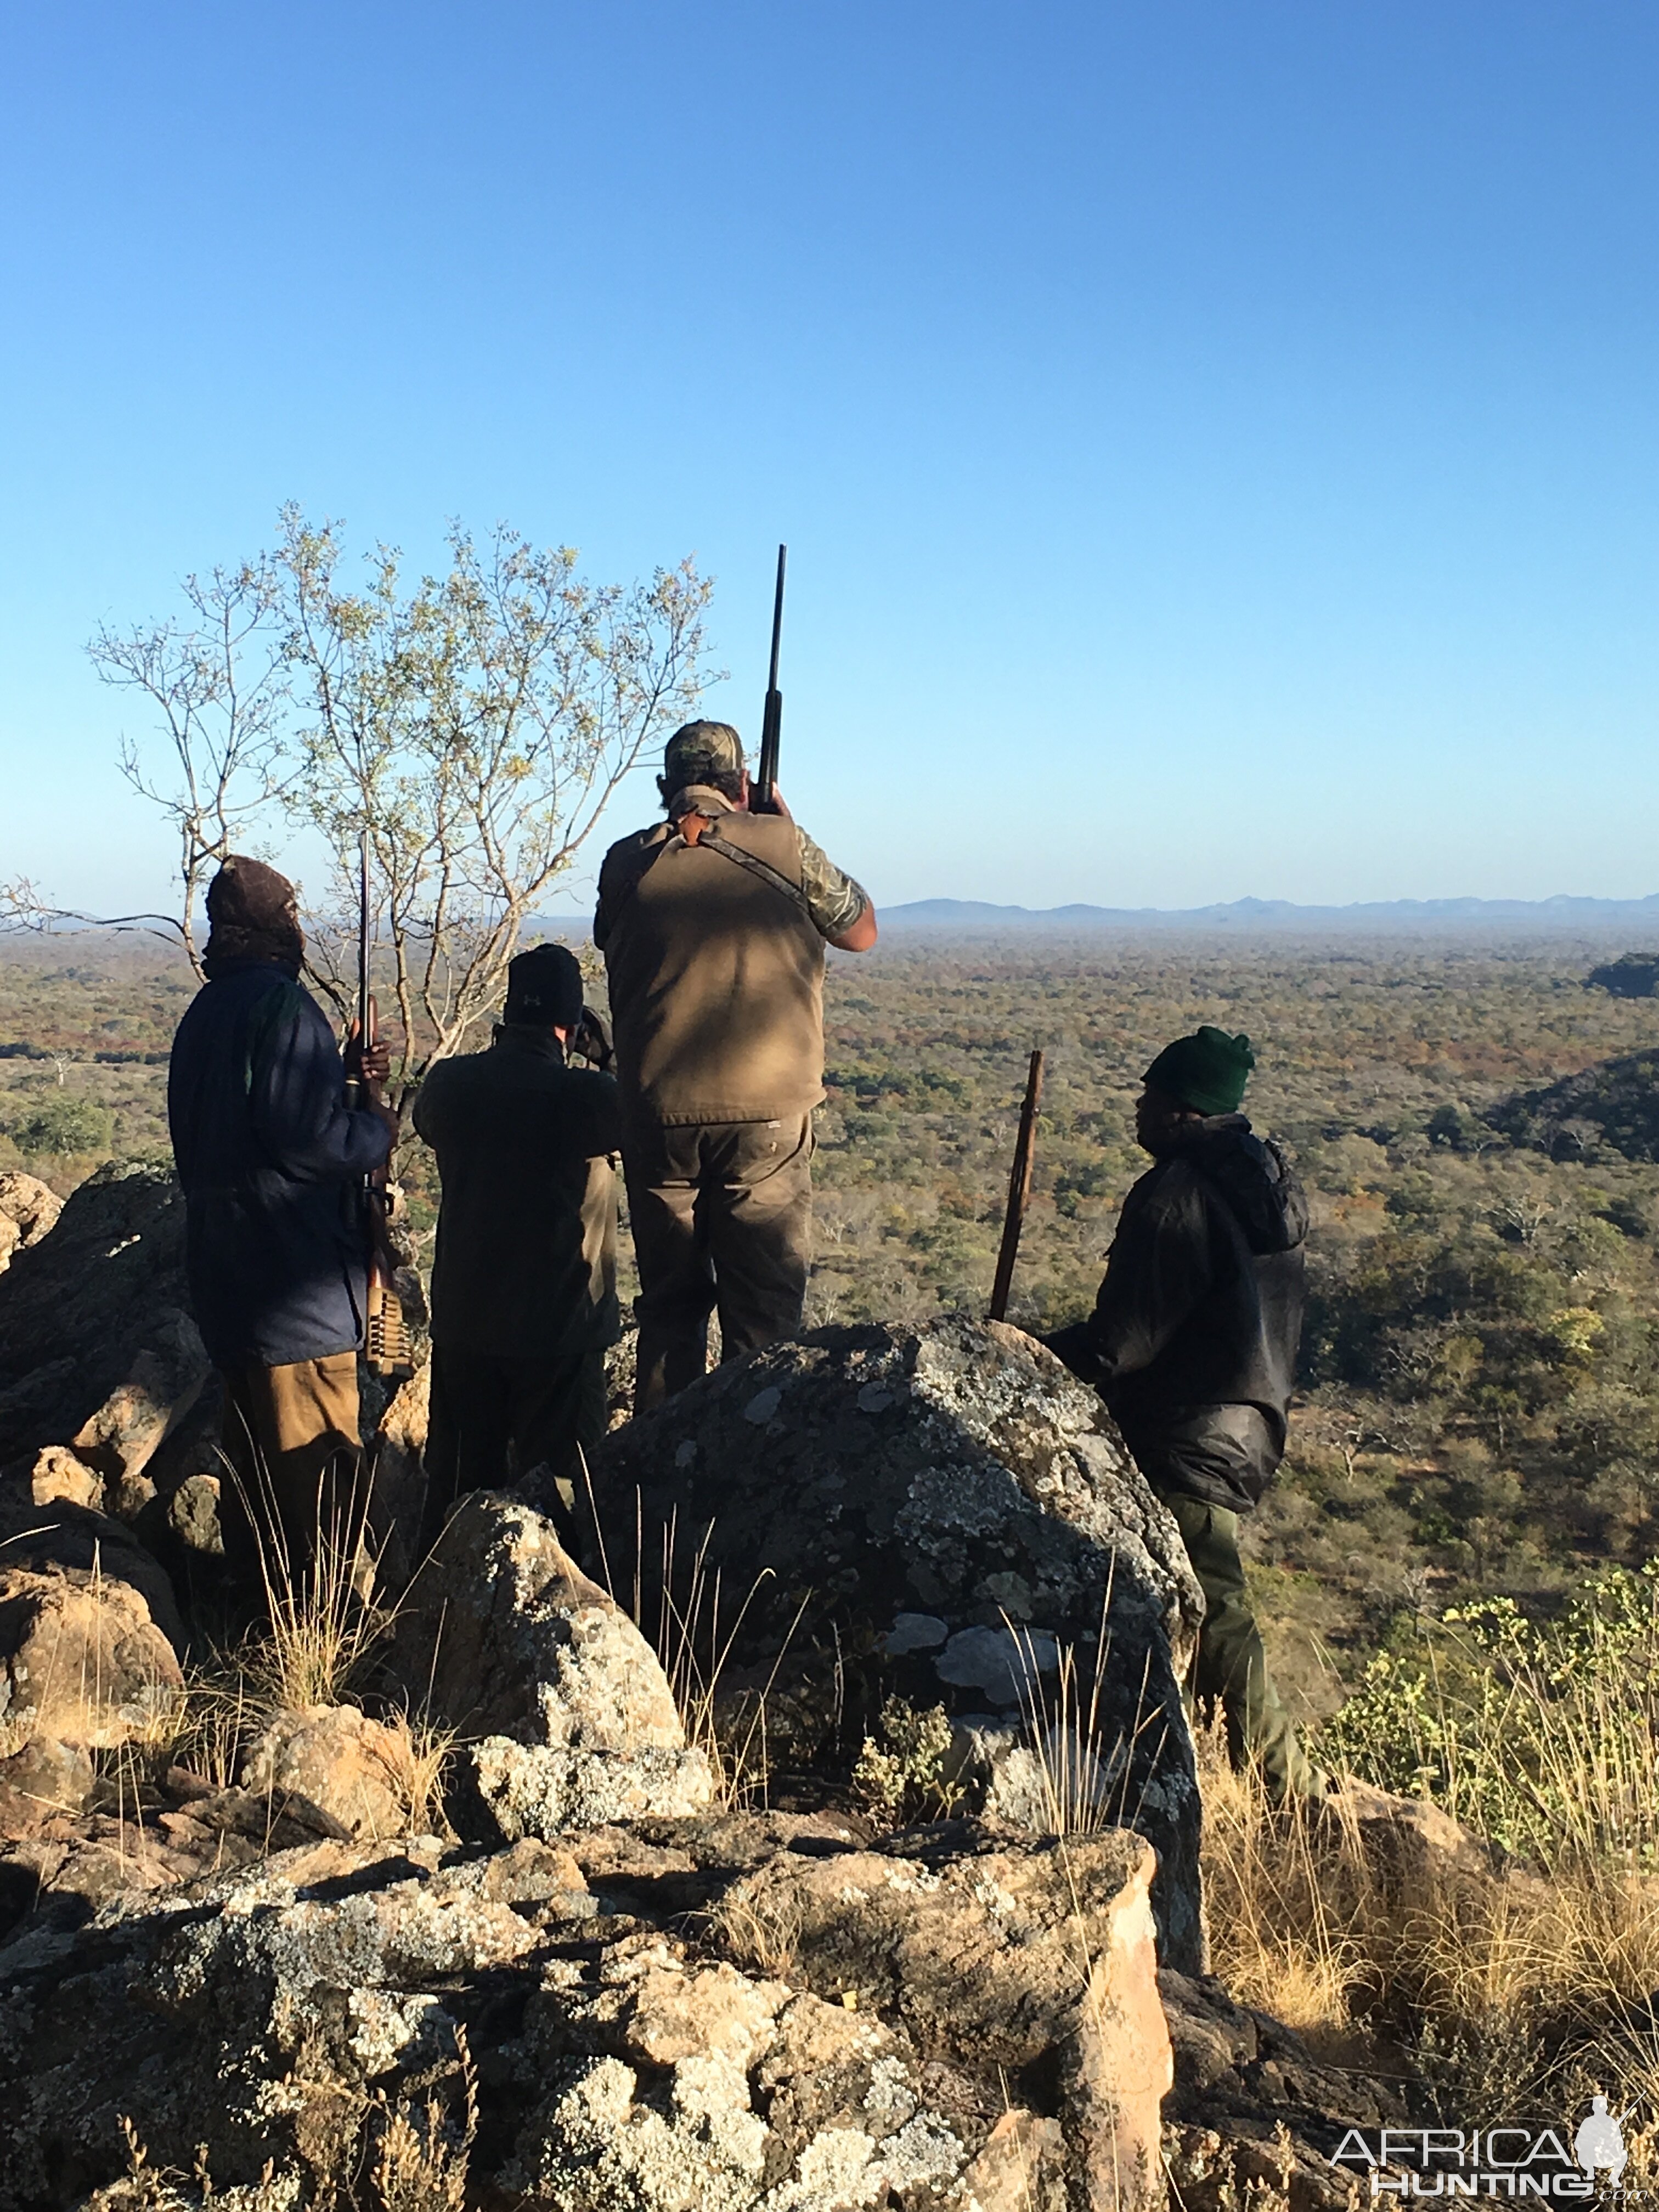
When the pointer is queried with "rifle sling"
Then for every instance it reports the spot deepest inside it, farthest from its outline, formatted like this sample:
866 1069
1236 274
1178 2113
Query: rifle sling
756 866
709 836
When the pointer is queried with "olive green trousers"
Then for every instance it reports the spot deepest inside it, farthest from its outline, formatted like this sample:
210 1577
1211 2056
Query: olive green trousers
722 1214
1231 1669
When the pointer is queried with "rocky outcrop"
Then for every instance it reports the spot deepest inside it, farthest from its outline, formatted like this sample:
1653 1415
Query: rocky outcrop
81 1660
333 1767
27 1210
43 1781
1254 2110
58 1536
940 1512
567 1716
626 2049
97 1349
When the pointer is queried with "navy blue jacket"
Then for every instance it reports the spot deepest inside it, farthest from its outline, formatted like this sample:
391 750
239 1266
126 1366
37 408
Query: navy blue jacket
272 1163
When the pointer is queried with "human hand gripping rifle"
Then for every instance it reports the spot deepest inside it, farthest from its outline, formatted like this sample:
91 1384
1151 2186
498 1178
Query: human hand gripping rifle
386 1338
765 798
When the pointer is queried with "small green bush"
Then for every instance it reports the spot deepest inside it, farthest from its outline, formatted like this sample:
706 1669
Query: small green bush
1542 1734
65 1125
904 1777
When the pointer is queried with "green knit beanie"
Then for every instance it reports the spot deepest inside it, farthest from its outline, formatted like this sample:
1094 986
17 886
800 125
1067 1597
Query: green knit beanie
1208 1071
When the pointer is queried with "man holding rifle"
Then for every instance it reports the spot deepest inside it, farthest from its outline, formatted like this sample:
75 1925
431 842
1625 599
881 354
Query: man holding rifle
272 1161
713 924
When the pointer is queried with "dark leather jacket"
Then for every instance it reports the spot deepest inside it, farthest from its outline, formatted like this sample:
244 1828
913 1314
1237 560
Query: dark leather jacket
1194 1338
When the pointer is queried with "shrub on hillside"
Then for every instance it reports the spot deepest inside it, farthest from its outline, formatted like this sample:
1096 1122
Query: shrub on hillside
1543 1735
65 1125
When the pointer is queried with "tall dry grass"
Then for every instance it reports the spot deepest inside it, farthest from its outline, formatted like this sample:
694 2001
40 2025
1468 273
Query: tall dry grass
324 1623
694 1634
1501 1979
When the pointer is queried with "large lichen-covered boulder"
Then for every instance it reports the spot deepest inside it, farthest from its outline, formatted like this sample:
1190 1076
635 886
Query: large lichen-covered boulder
567 1716
966 2023
942 1512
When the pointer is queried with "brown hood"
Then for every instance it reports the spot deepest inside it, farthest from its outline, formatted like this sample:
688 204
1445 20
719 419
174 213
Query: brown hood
253 914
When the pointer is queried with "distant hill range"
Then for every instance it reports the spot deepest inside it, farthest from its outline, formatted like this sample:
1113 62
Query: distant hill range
1563 915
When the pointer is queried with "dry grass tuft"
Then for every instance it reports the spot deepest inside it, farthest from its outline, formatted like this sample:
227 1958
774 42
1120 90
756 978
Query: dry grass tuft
422 2159
763 1934
1083 1779
323 1626
419 1754
694 1641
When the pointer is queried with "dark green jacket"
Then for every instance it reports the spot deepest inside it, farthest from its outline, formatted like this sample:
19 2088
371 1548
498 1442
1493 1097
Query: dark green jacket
526 1259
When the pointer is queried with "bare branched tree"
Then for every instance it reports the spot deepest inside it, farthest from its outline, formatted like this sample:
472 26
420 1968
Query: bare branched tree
220 683
475 726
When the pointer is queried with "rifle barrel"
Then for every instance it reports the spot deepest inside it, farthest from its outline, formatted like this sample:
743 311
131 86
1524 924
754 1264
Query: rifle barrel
766 773
777 618
363 938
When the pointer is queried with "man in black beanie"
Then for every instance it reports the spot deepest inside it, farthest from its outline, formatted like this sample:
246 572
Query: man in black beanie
524 1282
1193 1345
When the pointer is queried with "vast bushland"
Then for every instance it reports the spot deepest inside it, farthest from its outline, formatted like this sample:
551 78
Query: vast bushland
1480 1406
1453 1553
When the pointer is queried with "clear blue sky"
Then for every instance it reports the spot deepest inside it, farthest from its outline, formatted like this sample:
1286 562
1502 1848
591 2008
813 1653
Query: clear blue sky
1217 439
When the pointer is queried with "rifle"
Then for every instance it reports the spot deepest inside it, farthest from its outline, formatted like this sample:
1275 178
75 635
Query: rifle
764 800
386 1340
1020 1190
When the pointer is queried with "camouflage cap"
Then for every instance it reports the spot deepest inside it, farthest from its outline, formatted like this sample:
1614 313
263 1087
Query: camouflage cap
697 748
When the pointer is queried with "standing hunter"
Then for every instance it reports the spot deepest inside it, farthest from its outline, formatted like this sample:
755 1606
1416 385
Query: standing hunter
1193 1345
272 1162
713 924
524 1282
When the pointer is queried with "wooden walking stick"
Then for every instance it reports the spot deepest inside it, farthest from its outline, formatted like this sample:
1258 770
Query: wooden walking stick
1020 1190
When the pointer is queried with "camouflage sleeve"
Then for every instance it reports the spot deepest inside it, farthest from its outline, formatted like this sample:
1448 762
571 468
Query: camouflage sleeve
833 899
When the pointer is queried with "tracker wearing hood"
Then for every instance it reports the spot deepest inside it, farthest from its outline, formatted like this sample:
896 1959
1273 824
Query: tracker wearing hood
1193 1345
273 1159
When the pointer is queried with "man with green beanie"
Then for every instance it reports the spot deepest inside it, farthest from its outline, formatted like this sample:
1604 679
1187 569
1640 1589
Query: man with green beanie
713 924
1193 1345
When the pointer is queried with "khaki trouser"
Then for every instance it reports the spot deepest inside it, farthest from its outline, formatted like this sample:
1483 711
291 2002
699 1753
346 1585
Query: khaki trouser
1232 1665
292 1438
492 1420
721 1215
